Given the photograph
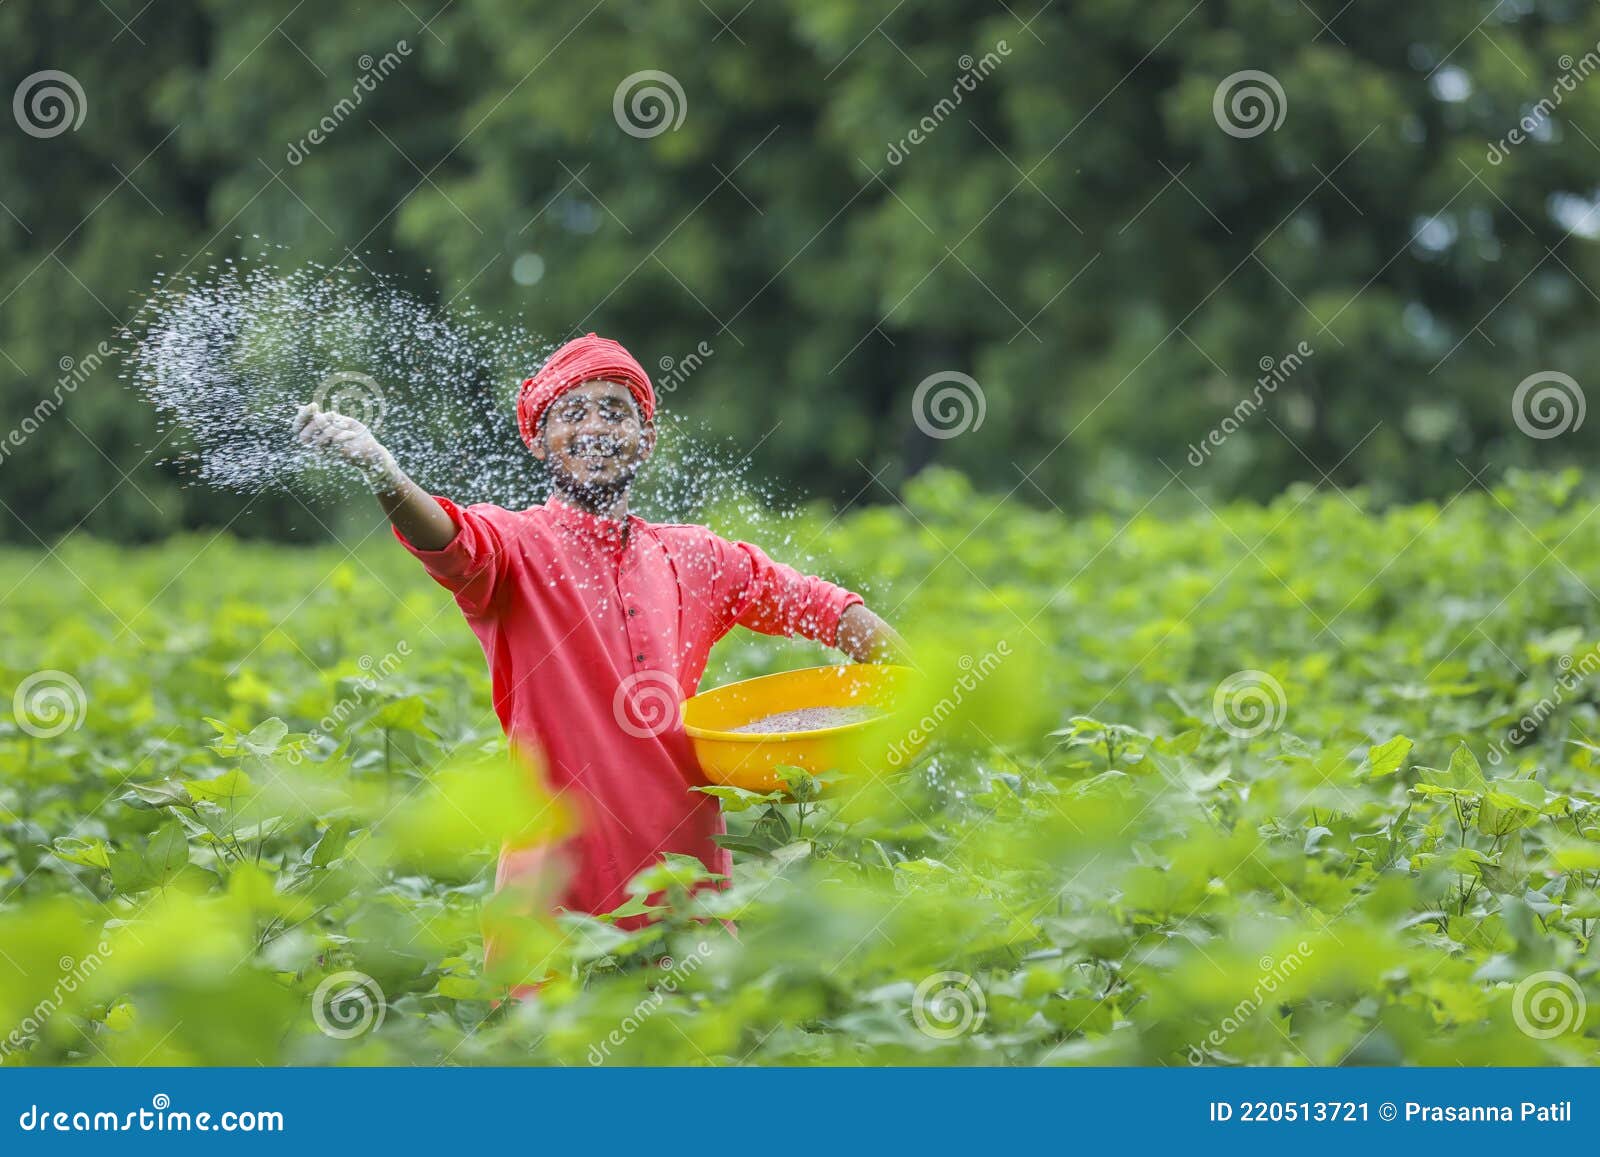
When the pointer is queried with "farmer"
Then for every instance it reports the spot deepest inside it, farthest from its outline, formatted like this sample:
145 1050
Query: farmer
597 623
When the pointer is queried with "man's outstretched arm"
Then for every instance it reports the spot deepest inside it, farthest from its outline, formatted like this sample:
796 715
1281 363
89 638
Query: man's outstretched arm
341 438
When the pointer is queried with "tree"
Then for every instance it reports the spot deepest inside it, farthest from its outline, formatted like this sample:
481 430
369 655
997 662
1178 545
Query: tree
1079 209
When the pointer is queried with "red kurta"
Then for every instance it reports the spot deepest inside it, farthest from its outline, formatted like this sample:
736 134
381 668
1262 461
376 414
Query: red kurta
593 637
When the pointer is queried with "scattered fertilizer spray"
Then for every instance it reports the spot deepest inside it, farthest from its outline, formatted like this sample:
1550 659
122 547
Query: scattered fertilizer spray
227 355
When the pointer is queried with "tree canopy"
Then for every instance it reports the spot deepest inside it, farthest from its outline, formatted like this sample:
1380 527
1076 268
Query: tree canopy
1069 205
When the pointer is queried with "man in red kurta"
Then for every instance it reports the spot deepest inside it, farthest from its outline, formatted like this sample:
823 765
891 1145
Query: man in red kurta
595 623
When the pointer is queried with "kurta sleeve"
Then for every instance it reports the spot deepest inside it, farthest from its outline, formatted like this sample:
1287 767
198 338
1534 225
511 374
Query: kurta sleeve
471 565
775 599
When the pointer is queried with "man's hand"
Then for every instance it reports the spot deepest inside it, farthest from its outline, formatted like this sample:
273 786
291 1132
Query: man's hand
868 639
341 438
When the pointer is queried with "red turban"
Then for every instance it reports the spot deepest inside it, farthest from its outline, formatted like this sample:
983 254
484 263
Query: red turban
583 359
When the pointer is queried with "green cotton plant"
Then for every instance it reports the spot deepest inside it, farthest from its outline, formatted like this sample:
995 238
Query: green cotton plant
1091 860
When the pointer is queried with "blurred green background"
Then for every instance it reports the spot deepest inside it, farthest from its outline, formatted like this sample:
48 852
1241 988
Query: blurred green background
1079 234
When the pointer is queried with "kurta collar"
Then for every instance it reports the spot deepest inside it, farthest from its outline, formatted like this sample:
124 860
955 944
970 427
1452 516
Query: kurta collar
613 531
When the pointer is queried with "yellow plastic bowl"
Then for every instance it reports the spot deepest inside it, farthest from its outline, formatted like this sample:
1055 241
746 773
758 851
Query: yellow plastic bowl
751 759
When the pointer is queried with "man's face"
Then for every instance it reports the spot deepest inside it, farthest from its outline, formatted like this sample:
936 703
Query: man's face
594 440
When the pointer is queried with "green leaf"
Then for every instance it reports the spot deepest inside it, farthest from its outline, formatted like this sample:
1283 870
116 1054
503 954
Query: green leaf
407 713
1467 861
223 790
1462 778
130 873
746 844
774 823
90 853
165 793
1388 758
1516 794
460 987
738 799
1577 855
332 844
789 853
1464 765
265 737
673 869
802 785
635 906
168 850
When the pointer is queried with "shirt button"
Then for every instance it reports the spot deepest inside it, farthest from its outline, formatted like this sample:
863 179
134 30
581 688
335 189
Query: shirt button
633 611
639 658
